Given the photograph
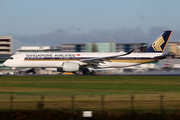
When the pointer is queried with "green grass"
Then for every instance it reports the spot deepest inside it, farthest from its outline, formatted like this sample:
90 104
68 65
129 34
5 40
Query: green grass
90 84
27 91
90 78
100 86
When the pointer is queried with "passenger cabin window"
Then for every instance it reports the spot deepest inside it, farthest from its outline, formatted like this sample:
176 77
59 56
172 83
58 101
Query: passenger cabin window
11 58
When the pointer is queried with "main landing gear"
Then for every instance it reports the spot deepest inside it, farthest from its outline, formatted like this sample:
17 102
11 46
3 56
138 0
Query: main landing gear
93 72
87 72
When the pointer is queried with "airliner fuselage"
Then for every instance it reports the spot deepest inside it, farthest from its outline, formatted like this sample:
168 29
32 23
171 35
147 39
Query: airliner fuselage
56 59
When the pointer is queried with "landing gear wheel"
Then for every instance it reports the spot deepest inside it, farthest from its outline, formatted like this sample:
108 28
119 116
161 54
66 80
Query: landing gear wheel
15 72
93 72
87 72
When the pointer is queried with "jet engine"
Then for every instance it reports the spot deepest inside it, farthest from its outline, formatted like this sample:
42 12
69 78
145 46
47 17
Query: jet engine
68 67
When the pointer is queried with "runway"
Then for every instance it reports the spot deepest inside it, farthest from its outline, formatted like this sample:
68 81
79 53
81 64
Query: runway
112 74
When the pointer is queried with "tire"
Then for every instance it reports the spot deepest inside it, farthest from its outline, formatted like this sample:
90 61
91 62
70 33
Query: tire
15 72
93 72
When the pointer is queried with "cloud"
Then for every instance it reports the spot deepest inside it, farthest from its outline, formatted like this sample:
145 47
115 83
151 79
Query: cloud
120 35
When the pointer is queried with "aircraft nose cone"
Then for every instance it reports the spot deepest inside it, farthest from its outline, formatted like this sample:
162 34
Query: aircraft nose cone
5 63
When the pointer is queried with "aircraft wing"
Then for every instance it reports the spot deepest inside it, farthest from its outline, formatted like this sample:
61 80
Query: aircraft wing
97 60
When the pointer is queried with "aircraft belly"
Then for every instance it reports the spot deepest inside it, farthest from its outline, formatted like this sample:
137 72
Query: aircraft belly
123 64
116 64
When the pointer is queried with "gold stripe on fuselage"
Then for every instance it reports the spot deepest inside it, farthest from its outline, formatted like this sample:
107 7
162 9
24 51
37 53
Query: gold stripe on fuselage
134 61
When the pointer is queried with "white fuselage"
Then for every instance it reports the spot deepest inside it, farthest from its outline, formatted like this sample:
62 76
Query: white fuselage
54 60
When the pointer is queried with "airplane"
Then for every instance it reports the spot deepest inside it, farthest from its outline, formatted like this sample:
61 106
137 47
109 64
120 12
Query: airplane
168 64
85 61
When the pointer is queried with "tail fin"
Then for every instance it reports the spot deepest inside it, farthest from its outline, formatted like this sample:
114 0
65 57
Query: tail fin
159 45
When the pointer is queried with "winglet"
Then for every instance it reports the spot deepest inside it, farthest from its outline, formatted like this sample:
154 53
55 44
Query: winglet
159 45
131 51
128 52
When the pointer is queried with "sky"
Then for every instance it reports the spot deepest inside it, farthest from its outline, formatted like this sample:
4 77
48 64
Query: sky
53 22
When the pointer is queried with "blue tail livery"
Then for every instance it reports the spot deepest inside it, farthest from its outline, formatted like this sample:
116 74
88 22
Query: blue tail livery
159 45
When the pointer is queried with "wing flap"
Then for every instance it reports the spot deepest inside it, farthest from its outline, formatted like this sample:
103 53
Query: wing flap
102 59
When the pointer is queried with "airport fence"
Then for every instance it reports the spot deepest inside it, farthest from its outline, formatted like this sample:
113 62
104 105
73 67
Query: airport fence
89 102
103 104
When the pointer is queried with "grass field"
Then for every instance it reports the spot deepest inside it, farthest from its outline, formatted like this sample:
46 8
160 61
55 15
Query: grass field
90 84
27 91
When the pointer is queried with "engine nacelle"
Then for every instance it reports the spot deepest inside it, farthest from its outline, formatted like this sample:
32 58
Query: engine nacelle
68 67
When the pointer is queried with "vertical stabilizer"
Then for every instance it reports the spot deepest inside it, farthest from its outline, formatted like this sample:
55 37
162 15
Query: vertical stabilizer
159 45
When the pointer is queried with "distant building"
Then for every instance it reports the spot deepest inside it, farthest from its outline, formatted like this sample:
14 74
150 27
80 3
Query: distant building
86 47
73 47
140 47
25 49
5 50
103 47
5 45
174 47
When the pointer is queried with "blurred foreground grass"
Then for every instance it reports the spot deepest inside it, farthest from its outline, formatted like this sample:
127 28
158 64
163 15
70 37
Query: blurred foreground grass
57 91
89 85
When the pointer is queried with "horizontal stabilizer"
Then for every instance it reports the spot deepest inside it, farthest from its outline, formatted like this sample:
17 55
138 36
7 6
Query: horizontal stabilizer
165 56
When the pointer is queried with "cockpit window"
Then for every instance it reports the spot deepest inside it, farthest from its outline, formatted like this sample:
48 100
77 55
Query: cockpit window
11 58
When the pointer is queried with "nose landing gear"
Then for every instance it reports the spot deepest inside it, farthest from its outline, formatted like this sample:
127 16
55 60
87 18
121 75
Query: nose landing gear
15 72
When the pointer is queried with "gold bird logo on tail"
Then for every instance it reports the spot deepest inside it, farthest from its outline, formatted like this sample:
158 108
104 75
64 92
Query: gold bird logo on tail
157 45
